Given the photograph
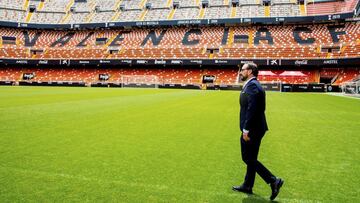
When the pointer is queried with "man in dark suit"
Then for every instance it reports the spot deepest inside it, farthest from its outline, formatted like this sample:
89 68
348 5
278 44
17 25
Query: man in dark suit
253 127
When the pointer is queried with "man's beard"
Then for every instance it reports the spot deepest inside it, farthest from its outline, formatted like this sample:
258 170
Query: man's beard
243 78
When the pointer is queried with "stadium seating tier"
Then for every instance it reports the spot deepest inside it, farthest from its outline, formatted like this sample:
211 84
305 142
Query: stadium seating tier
177 75
69 11
229 43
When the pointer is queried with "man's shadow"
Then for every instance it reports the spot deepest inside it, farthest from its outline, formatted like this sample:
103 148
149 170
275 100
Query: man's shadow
254 198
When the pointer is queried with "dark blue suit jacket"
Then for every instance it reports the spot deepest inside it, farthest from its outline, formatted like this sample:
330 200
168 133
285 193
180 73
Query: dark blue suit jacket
252 109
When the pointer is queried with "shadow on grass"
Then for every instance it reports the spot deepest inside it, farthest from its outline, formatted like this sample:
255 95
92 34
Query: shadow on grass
257 199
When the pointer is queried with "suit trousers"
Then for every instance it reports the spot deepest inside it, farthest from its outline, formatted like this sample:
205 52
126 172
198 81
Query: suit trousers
249 153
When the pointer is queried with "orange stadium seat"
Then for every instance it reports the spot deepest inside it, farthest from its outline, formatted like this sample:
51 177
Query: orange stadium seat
102 11
177 75
318 8
171 45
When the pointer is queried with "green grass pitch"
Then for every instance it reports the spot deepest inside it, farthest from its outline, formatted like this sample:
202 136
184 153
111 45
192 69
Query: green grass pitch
161 145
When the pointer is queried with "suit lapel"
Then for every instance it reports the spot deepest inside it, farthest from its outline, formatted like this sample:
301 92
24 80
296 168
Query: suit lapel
247 84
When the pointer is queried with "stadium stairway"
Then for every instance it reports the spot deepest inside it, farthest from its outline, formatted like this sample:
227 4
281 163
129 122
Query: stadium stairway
118 12
328 55
91 15
142 4
342 50
21 75
26 4
117 4
267 11
115 16
230 40
30 14
317 76
143 14
233 11
41 5
172 13
202 13
221 50
302 8
89 18
251 38
110 41
67 10
211 55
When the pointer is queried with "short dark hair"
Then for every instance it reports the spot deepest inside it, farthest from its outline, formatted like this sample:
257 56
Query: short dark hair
254 69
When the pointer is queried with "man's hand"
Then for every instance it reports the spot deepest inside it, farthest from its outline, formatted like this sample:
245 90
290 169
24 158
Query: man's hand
246 136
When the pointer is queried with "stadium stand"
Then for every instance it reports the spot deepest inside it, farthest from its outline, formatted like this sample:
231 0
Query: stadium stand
106 5
102 16
187 13
218 12
69 11
159 4
330 72
56 6
331 41
177 75
223 76
329 7
129 15
132 4
173 43
47 17
188 3
13 4
346 75
12 15
245 11
10 74
290 77
284 8
157 14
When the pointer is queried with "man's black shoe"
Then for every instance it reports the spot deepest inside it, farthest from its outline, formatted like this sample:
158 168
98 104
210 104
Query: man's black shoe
275 188
243 189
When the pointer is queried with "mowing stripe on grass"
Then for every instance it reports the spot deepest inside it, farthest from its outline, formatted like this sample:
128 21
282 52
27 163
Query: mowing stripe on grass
149 186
